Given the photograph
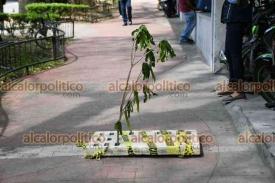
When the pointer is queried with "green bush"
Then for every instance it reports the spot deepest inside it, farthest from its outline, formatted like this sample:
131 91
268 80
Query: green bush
35 17
26 24
28 17
61 9
19 17
4 17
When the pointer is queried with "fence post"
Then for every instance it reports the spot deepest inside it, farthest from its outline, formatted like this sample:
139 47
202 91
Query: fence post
27 70
54 44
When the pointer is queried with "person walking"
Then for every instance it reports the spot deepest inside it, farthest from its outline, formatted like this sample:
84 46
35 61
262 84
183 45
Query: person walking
237 15
187 9
126 10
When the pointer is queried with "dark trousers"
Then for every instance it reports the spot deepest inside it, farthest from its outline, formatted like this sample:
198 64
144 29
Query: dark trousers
119 7
126 10
233 50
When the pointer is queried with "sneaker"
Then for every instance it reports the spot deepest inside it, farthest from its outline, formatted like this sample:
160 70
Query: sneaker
125 24
186 42
190 41
130 23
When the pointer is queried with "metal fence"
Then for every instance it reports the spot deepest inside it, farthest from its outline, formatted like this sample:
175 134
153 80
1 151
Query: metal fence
43 48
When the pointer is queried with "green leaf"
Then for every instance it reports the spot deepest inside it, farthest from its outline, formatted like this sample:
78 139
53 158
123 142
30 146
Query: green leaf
153 74
129 108
136 99
143 39
145 94
165 51
146 71
150 57
118 127
127 121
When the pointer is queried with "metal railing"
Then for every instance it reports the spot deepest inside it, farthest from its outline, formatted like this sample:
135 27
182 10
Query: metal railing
48 45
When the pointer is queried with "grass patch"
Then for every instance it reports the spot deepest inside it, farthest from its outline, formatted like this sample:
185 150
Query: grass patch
32 70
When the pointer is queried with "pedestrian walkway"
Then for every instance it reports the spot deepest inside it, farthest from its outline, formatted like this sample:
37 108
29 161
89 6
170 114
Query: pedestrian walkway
101 56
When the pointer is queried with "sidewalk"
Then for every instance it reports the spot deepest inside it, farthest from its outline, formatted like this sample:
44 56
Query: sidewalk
101 52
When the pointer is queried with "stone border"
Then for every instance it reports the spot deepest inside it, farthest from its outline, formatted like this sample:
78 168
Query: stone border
252 116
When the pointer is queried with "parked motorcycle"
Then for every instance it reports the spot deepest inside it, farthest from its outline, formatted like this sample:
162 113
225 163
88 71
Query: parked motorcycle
258 50
265 67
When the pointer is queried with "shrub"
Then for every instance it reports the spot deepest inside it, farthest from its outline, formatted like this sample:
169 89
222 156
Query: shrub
25 24
35 17
4 17
61 9
28 17
19 17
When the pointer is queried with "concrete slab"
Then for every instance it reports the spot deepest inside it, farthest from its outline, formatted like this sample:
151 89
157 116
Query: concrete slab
145 143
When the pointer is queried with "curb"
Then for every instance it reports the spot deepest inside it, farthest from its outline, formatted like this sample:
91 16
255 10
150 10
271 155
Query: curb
243 122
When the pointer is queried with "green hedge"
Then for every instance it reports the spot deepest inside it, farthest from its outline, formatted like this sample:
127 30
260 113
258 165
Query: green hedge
4 17
61 9
28 17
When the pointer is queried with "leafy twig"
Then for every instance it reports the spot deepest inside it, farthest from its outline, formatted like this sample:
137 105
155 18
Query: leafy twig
142 41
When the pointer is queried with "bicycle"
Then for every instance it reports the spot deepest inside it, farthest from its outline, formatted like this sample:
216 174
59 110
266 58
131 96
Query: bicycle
47 31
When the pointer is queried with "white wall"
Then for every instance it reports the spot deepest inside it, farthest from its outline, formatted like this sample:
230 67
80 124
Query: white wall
210 34
219 33
204 36
11 7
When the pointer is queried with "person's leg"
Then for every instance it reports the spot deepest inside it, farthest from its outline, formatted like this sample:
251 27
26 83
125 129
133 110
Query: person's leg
208 5
228 37
234 48
129 11
200 4
119 8
190 21
123 10
234 35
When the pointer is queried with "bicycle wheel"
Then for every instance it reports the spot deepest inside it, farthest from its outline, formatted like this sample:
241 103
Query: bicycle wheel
43 38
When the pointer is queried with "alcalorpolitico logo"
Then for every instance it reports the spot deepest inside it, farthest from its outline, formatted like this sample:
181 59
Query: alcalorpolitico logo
86 137
159 86
255 138
44 87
